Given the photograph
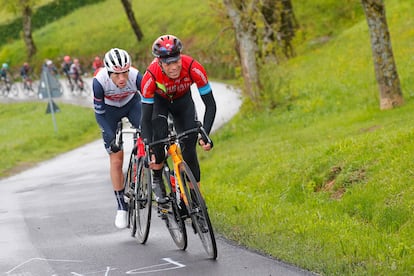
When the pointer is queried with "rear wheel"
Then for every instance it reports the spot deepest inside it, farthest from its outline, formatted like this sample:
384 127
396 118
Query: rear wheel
197 210
143 201
174 221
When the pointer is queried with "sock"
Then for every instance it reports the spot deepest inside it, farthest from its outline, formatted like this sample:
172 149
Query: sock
119 195
157 173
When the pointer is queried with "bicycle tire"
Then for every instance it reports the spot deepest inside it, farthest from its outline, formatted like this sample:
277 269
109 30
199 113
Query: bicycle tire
197 211
24 88
86 91
13 89
174 221
143 201
129 185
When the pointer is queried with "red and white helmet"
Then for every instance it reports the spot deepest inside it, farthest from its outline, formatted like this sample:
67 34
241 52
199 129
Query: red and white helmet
167 48
117 61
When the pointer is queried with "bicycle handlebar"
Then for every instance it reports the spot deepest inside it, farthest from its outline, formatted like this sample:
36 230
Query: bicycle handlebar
173 137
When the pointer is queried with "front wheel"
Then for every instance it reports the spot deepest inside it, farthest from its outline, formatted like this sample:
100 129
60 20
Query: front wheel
197 210
143 201
130 196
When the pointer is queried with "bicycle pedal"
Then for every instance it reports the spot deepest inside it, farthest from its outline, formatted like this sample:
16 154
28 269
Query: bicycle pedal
163 208
162 212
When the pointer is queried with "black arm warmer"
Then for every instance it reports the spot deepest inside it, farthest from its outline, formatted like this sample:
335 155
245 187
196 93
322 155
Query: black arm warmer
210 112
146 121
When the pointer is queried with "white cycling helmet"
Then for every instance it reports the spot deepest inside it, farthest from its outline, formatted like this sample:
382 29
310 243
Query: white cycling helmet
117 61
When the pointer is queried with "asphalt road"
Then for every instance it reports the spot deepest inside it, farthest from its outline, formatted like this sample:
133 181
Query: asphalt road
58 219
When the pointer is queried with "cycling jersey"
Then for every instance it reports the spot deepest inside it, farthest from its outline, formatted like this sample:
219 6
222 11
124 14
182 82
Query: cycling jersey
75 69
155 81
66 67
112 103
3 73
24 71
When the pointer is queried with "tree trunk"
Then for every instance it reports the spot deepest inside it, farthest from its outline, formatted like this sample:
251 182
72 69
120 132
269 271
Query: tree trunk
279 26
131 18
247 50
287 29
384 64
27 29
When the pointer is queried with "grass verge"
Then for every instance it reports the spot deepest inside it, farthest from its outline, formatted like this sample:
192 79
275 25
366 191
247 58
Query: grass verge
27 133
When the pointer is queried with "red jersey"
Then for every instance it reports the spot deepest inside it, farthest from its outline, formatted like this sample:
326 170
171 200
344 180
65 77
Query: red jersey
155 81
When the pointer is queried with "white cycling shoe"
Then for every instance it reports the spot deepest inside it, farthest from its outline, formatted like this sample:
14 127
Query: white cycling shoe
121 219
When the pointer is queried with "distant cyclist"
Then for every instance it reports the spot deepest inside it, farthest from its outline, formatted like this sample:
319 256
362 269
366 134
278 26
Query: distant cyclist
4 71
67 62
166 90
25 74
116 90
97 64
75 73
50 66
5 76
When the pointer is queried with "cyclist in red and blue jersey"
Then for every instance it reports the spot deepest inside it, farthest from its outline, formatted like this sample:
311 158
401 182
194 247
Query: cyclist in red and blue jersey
116 90
166 90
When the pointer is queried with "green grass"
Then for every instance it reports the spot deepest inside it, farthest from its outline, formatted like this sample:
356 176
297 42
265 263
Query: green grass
28 135
334 195
321 178
324 180
84 36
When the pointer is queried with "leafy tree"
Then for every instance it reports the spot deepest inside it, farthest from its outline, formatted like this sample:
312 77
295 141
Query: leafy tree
384 64
131 17
24 8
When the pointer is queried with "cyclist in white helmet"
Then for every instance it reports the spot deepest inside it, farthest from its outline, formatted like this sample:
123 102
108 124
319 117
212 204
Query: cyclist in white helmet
116 90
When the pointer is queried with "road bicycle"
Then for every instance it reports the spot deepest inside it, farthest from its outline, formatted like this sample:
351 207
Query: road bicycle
69 82
8 87
27 86
183 192
79 87
137 184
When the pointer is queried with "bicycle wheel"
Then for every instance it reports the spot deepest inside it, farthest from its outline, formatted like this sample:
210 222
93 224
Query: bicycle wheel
174 221
86 91
129 185
13 89
143 201
197 210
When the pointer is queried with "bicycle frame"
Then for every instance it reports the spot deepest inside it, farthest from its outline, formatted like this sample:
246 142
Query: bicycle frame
174 152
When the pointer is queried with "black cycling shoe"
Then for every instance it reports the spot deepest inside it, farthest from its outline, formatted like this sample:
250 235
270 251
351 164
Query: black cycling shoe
182 210
159 190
